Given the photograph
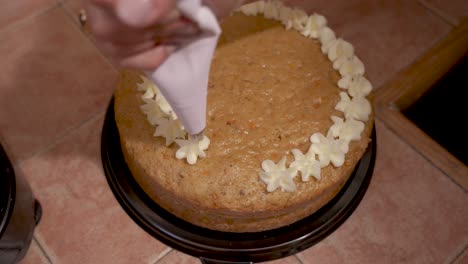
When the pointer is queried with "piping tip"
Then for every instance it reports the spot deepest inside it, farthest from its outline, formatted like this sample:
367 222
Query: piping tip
197 137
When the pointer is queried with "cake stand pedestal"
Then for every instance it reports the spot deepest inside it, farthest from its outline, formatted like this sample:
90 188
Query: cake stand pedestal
224 247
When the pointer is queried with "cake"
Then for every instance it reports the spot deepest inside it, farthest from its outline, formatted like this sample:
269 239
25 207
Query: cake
288 119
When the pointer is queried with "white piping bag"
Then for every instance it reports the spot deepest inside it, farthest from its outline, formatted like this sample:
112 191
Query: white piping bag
183 77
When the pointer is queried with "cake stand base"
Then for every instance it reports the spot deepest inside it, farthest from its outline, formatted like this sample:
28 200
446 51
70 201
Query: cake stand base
225 247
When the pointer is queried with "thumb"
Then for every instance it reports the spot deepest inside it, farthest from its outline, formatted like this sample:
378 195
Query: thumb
143 13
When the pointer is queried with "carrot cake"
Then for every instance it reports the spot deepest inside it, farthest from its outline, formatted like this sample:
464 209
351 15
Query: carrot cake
288 118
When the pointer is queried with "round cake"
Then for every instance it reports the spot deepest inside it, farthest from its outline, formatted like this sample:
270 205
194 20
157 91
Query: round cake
280 87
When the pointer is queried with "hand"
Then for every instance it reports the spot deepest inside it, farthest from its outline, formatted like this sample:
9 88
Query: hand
140 34
136 34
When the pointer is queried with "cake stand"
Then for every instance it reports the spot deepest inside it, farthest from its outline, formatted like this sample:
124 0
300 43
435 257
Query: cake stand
20 212
225 247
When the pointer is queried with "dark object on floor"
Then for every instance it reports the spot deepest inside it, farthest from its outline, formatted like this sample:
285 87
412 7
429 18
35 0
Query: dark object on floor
442 111
224 247
19 213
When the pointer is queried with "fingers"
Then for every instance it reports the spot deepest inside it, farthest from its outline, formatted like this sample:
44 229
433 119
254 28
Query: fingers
176 27
143 13
104 26
137 34
148 60
118 51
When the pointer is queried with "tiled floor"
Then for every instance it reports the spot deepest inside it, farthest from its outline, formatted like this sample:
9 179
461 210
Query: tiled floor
54 89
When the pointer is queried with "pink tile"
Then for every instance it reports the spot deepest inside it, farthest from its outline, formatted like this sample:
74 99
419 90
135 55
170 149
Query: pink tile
463 258
181 258
411 213
82 221
13 11
73 8
387 35
34 255
454 10
178 257
53 79
287 260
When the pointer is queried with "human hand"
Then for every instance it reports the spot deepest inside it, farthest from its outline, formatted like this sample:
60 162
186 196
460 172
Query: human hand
141 34
136 34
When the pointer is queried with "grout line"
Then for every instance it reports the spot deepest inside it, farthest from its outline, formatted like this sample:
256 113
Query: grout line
30 18
41 248
69 14
298 259
439 13
420 154
162 255
62 137
459 254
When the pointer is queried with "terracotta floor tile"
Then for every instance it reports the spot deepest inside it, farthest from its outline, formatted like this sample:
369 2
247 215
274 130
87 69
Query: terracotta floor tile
181 258
52 79
287 260
455 10
411 213
463 258
178 257
13 11
387 35
73 7
82 221
34 255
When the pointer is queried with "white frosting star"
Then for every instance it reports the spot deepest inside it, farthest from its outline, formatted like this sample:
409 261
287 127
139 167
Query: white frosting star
306 164
348 130
260 6
272 9
146 84
326 37
340 52
285 16
358 86
328 149
277 176
340 48
148 95
358 108
169 129
152 111
351 67
164 105
250 9
299 19
314 23
345 82
151 92
192 149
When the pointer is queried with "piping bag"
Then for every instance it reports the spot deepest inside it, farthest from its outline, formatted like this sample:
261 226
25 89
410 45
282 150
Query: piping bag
183 77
